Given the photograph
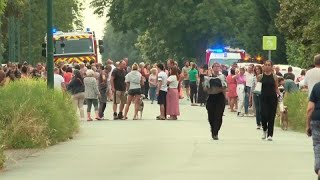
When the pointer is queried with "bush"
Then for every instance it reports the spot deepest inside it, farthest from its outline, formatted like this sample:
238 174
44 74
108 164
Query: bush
297 110
2 157
34 117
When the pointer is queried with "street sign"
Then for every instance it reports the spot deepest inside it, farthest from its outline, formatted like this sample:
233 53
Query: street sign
270 43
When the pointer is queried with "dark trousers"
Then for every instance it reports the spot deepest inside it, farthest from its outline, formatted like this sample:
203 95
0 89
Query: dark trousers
215 108
193 91
146 88
93 102
268 112
102 108
257 105
246 99
315 127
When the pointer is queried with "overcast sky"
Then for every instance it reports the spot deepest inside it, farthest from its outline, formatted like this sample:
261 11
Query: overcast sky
93 21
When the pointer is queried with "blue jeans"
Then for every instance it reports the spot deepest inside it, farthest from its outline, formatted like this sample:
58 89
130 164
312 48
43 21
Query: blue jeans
246 99
257 105
153 93
315 127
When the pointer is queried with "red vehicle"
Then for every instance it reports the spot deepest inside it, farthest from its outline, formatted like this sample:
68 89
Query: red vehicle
225 56
75 47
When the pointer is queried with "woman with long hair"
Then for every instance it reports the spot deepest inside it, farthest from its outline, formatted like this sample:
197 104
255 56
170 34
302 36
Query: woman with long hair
269 99
241 82
256 96
202 95
153 85
134 83
232 90
172 108
76 88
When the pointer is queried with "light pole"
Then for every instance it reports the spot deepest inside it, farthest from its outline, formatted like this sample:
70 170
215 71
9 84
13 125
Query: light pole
29 35
50 81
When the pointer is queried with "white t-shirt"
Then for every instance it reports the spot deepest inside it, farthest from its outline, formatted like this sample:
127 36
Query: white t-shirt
173 81
312 77
109 75
249 79
162 76
134 78
58 80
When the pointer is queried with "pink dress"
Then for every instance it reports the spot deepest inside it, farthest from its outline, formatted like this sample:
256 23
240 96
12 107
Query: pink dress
172 108
232 87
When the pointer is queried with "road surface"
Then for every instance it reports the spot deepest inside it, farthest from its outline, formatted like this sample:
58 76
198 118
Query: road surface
171 150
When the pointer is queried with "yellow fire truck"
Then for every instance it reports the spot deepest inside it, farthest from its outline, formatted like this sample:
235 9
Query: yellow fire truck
74 47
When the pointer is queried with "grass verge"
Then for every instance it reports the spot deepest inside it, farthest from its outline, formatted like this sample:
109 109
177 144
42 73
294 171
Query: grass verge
32 116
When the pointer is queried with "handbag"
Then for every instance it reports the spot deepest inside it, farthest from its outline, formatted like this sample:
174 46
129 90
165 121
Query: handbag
257 89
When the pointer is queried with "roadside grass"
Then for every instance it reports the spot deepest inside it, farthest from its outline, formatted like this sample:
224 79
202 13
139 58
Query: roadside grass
32 116
297 108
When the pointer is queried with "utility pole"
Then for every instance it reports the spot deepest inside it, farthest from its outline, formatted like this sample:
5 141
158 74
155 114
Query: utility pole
30 61
50 76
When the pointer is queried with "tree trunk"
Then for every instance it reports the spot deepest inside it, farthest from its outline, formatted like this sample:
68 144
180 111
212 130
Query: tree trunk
201 48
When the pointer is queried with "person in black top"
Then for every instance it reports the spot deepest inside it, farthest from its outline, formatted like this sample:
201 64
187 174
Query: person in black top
118 87
216 88
76 88
269 99
313 124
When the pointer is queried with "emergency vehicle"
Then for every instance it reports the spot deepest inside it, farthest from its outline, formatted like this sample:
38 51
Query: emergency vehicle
74 47
226 56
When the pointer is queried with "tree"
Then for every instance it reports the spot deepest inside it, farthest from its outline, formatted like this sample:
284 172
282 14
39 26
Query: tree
119 45
298 21
66 16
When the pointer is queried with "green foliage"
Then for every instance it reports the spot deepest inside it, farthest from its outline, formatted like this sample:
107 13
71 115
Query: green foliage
66 17
185 28
34 116
2 156
119 45
297 106
298 20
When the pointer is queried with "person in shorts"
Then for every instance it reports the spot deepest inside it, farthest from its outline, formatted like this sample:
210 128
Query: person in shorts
186 81
134 82
162 91
118 87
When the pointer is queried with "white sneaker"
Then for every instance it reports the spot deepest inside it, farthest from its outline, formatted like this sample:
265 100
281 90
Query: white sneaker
239 114
264 135
269 138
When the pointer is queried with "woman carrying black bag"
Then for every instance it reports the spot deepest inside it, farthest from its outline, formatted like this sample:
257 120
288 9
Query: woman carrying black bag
76 88
216 88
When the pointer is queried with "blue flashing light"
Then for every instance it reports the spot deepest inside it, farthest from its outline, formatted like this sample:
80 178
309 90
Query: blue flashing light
54 30
218 50
88 29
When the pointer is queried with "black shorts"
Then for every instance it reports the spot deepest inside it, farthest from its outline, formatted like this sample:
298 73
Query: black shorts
162 98
134 92
186 83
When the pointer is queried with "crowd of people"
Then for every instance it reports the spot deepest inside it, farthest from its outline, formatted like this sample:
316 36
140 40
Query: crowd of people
257 87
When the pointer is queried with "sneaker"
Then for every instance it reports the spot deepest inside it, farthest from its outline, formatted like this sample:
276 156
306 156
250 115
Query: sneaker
269 138
258 127
120 116
264 135
239 114
215 137
115 116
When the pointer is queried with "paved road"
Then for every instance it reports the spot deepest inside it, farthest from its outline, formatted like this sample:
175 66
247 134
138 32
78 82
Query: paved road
171 150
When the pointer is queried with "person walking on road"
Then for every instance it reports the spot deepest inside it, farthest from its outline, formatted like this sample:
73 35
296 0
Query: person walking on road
103 89
269 99
232 91
118 87
91 94
193 77
134 82
256 96
162 91
202 95
216 88
76 88
313 124
58 80
249 75
186 81
241 82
